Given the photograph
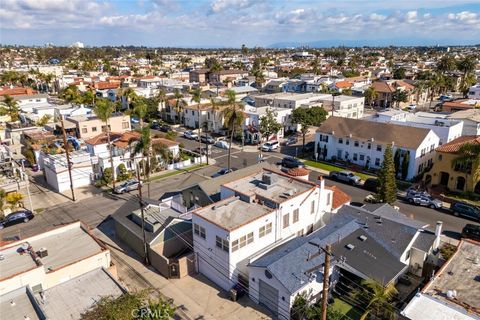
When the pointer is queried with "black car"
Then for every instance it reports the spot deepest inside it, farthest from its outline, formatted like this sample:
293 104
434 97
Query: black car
223 172
309 147
207 139
371 184
465 210
471 231
16 217
290 162
155 126
165 128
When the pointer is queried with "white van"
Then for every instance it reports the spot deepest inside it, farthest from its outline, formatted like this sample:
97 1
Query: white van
270 146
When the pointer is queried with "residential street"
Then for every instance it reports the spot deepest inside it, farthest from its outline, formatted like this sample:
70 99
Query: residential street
97 208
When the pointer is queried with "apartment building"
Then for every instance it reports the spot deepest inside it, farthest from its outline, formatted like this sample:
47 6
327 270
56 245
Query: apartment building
255 214
86 127
253 118
289 100
363 143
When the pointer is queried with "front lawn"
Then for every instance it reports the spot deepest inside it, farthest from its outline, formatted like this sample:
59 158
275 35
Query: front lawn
329 167
346 309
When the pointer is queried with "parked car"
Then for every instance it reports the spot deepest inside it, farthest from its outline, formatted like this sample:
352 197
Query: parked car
412 106
465 210
202 151
155 125
309 147
345 176
446 97
134 120
270 146
165 128
16 217
222 144
291 140
190 135
471 231
371 198
424 199
127 186
290 162
371 184
207 139
223 171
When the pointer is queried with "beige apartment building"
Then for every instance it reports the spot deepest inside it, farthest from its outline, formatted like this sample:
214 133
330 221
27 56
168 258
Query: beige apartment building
86 127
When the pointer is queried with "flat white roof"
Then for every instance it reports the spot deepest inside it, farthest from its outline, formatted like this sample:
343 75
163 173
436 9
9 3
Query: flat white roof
18 305
423 307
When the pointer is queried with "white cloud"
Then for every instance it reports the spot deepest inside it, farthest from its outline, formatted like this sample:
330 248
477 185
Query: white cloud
218 6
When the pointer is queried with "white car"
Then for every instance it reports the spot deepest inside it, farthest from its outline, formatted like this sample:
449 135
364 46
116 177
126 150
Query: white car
412 106
190 135
270 146
222 144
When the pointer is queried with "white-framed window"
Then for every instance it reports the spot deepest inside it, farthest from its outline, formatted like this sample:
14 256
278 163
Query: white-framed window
296 215
235 245
125 125
312 207
250 238
243 241
286 220
221 243
264 230
199 231
377 161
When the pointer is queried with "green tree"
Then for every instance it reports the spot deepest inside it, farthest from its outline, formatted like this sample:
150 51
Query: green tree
159 149
446 63
140 109
129 95
71 94
143 147
10 107
233 118
370 95
2 199
468 161
268 124
399 73
380 300
306 117
44 120
129 306
103 109
123 173
399 96
179 103
88 97
387 188
405 164
396 161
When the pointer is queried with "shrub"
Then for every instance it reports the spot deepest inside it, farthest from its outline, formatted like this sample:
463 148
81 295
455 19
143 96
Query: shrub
14 199
123 173
107 175
447 250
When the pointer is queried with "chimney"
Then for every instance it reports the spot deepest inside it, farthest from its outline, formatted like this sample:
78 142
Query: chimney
438 233
321 183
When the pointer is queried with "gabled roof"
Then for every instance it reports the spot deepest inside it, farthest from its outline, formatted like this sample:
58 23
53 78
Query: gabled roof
339 197
102 138
454 145
383 133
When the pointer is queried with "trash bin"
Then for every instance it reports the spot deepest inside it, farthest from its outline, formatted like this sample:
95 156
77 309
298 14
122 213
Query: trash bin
233 294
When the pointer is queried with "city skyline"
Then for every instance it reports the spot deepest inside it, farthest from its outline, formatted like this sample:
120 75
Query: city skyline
231 23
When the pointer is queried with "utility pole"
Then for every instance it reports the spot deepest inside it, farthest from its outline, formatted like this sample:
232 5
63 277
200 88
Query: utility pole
140 198
27 184
67 153
326 277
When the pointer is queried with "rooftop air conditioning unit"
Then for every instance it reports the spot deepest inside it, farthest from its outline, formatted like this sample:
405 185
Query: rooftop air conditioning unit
362 237
350 246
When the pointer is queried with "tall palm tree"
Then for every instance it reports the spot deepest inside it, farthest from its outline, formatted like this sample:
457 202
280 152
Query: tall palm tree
370 95
10 107
143 147
197 97
215 107
129 94
468 161
161 97
103 109
233 116
179 103
163 151
379 299
140 109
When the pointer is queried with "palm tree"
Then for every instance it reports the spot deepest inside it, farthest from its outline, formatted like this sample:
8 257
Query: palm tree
11 108
161 97
163 151
468 161
420 88
71 94
197 97
379 300
103 109
215 106
129 94
140 109
179 102
233 116
370 95
143 146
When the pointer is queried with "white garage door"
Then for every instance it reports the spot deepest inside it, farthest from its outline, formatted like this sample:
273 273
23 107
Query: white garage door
209 268
268 296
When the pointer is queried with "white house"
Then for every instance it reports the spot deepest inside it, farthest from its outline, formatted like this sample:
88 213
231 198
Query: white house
344 106
471 121
363 143
68 110
255 213
56 170
288 100
474 92
253 118
27 103
446 130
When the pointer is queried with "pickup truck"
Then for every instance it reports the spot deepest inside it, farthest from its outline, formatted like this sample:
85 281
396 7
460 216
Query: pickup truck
345 176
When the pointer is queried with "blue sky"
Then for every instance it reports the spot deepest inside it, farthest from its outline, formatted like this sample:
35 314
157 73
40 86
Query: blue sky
231 23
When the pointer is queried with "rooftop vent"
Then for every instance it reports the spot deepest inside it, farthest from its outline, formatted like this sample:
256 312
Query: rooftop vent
350 246
268 178
362 237
42 253
264 186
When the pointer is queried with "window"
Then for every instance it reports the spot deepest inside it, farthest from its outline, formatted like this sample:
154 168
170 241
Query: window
104 128
377 161
312 207
296 215
300 233
243 241
356 143
340 140
379 147
347 142
222 243
234 245
198 230
250 238
362 157
328 199
286 220
369 146
355 157
440 157
266 229
84 130
125 125
94 129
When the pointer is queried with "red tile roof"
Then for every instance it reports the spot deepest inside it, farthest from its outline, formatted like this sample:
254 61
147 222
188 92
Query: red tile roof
126 138
102 138
343 84
16 91
339 197
454 145
106 85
